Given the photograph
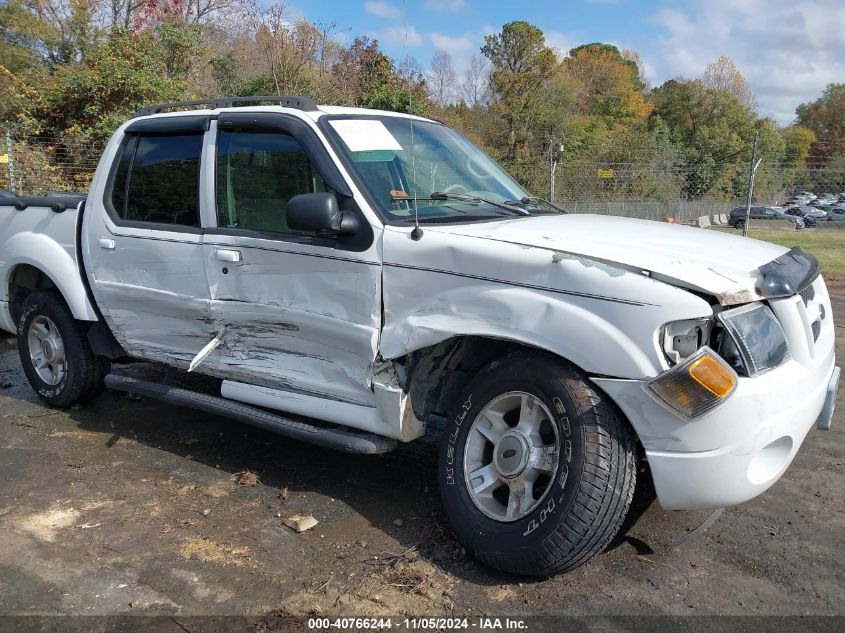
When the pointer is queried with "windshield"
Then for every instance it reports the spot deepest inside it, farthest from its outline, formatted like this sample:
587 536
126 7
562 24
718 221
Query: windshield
464 182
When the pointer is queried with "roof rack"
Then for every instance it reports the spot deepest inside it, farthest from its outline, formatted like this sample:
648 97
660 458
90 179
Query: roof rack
298 103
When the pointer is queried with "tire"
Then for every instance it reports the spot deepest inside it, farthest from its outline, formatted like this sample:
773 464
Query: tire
740 224
76 375
578 509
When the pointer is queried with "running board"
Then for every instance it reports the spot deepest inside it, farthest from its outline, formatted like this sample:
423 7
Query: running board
359 443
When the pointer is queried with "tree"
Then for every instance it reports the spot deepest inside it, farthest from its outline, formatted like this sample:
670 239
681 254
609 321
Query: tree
797 141
120 75
634 56
442 78
826 118
711 128
521 64
366 77
722 74
475 87
608 85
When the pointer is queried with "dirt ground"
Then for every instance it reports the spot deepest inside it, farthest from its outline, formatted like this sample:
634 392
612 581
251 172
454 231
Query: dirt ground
129 506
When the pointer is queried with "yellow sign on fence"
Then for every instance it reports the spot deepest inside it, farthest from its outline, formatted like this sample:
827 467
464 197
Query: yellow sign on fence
4 159
605 173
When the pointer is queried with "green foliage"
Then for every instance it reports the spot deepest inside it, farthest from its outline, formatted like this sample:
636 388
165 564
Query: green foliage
797 141
179 44
711 129
521 65
120 75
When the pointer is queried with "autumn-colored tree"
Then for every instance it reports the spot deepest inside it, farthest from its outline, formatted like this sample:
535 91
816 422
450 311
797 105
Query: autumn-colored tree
722 74
366 77
608 85
826 118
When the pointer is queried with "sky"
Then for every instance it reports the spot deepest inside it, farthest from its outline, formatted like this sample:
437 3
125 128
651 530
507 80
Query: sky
788 50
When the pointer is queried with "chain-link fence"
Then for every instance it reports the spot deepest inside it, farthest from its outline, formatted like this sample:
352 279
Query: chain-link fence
34 165
643 185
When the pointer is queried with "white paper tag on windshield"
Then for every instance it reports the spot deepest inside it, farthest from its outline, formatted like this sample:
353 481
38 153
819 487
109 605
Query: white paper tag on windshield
365 135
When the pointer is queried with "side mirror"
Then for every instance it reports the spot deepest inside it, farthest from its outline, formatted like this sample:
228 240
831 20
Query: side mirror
318 213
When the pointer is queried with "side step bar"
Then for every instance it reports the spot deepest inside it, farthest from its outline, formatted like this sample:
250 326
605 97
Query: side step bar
349 442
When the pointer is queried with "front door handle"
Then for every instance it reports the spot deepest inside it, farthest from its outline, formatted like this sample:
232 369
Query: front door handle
106 243
233 257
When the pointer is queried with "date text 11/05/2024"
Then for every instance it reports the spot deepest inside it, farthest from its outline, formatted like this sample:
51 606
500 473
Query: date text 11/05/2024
413 624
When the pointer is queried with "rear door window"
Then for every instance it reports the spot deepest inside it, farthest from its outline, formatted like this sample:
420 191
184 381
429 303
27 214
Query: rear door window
157 180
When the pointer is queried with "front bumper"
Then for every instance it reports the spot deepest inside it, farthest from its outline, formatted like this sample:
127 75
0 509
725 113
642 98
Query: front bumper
736 452
740 449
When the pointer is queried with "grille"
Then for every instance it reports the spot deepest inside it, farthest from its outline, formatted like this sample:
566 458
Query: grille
808 294
817 328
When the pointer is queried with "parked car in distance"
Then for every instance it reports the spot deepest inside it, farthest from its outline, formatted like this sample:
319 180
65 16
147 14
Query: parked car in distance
737 217
806 211
836 213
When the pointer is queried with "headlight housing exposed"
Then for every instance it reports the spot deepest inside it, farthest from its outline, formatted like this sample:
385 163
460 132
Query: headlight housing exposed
756 336
695 387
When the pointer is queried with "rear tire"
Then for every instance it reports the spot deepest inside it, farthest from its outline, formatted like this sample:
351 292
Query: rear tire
557 523
55 354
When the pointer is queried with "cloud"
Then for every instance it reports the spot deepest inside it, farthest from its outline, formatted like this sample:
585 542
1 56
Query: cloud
382 10
560 41
788 51
395 36
453 45
445 6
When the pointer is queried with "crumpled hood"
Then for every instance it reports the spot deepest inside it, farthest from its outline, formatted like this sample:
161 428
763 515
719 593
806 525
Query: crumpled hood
716 263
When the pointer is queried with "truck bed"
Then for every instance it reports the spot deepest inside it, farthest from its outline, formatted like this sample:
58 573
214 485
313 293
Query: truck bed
41 232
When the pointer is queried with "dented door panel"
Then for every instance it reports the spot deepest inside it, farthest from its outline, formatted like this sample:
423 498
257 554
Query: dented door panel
295 316
153 293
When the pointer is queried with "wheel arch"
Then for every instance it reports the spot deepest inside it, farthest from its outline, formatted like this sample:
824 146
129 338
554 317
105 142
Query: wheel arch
27 265
437 374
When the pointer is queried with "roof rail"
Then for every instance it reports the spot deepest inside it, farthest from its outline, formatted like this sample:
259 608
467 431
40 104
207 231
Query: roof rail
298 103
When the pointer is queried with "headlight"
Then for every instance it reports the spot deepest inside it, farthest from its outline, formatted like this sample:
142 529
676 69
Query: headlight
696 386
757 338
682 339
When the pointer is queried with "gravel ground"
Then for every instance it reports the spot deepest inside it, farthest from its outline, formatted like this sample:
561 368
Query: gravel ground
131 507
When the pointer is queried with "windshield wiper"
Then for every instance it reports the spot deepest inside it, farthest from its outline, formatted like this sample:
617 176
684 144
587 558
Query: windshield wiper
442 195
534 200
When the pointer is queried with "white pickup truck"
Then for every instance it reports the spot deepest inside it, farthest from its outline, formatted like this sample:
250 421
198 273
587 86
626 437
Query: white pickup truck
351 276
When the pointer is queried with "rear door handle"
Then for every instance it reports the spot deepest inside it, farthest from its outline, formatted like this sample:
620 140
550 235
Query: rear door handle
106 243
233 257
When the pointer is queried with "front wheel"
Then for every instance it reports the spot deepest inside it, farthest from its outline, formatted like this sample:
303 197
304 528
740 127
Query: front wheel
537 470
55 354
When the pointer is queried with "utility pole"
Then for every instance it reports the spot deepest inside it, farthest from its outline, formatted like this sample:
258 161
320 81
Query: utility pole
11 158
755 163
555 155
